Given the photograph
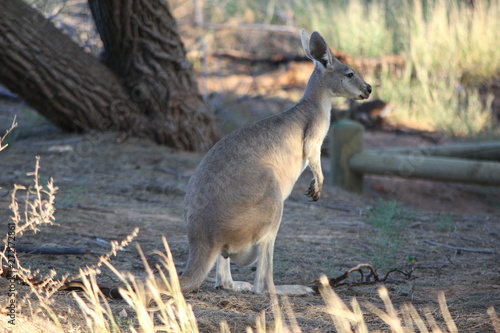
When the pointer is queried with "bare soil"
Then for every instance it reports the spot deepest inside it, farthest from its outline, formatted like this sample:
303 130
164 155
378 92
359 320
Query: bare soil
109 186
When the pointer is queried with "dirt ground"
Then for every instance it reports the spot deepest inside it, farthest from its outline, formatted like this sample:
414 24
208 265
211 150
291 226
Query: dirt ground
108 187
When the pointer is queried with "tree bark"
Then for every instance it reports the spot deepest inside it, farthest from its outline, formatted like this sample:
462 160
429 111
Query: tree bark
142 46
69 87
147 89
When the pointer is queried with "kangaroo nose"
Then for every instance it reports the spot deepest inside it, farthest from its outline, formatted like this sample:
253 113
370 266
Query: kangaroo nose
369 88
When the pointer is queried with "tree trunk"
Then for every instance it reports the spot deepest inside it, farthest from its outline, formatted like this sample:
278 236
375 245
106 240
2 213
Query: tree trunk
147 89
142 46
69 87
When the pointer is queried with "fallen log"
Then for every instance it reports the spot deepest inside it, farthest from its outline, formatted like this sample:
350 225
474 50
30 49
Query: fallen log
427 167
475 150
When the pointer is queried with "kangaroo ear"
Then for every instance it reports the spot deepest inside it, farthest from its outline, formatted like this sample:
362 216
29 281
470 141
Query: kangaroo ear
319 50
305 43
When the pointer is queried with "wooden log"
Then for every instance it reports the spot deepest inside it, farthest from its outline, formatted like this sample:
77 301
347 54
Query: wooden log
474 150
346 140
427 167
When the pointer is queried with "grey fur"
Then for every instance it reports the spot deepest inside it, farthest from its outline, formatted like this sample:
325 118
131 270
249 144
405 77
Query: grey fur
234 200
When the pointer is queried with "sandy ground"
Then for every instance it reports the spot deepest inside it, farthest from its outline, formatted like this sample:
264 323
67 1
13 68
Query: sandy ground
107 188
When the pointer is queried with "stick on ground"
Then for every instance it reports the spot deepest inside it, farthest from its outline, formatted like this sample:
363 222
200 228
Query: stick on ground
51 250
457 248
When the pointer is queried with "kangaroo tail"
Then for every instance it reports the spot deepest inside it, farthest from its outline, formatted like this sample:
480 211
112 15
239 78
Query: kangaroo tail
199 264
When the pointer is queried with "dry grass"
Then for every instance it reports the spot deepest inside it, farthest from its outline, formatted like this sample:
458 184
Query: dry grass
156 303
450 48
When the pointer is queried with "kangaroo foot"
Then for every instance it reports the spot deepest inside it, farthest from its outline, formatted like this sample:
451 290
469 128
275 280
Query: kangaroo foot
237 286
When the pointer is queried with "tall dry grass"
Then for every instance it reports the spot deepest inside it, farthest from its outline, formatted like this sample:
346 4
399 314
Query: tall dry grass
157 304
451 48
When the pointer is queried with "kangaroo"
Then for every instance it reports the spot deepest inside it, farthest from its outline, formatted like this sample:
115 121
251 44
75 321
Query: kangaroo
234 199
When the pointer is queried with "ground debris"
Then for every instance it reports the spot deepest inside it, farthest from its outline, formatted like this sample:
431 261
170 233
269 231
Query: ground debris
372 277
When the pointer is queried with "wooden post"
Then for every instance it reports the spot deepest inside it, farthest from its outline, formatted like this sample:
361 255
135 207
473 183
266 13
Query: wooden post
346 140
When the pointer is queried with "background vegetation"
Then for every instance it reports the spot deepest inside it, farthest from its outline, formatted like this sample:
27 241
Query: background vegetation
450 47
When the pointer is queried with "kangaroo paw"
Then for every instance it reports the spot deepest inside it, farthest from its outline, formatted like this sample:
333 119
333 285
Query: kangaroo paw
313 192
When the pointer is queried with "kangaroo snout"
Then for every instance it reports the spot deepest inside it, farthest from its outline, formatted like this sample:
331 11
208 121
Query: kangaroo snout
365 92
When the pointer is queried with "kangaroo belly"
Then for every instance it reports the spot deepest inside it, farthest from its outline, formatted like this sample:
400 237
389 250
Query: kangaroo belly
288 177
287 164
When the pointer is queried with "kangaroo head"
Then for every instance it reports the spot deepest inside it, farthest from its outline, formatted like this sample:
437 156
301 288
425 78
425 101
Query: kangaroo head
338 78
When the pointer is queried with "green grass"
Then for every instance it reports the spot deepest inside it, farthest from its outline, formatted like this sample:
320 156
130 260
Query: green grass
389 222
71 198
437 36
444 223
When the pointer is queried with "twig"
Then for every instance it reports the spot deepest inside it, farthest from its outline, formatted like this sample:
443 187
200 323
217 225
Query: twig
342 209
465 249
2 138
74 285
110 292
51 250
406 274
335 281
98 241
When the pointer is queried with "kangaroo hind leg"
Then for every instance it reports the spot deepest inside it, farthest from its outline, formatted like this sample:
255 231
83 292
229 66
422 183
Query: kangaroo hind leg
264 281
224 278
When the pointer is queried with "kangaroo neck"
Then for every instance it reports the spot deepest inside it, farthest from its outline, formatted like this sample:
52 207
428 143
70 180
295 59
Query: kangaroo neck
317 95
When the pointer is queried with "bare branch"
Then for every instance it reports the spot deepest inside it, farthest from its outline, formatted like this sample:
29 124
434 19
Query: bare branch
2 138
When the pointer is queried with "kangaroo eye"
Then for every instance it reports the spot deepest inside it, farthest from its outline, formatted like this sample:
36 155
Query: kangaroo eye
350 75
